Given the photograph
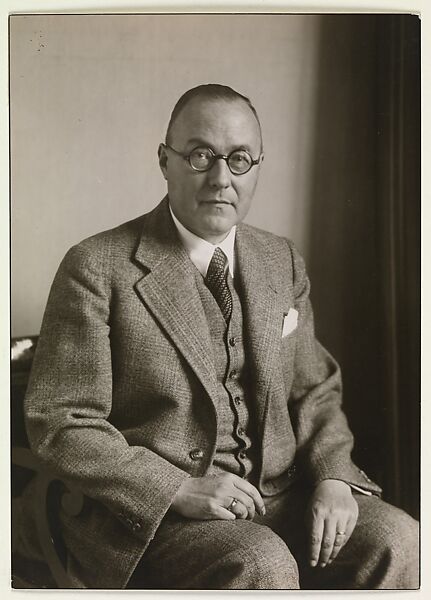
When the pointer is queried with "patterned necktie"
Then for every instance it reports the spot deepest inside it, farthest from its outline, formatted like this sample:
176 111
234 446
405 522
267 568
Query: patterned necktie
216 282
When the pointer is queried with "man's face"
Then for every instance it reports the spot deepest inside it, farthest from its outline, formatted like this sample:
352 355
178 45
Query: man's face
209 203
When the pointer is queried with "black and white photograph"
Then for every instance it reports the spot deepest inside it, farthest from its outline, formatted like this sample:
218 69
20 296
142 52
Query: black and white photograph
215 299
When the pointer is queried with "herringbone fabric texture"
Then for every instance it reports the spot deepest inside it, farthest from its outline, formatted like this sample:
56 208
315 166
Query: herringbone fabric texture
216 282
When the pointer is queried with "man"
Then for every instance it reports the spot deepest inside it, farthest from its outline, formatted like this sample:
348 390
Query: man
178 383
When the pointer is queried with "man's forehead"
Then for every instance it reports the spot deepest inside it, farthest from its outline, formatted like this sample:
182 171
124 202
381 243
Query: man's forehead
208 116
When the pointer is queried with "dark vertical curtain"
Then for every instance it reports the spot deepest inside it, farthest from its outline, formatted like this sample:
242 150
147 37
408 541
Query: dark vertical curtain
399 251
364 254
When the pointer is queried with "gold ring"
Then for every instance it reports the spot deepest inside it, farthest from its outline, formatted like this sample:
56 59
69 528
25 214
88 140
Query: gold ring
341 533
232 504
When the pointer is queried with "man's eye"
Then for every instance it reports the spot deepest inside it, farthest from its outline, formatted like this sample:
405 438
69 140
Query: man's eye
201 154
240 158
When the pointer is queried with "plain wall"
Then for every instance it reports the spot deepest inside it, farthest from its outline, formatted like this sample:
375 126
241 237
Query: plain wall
90 101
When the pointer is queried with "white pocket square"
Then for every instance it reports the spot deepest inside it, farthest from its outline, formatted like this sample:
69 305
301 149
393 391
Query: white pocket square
290 322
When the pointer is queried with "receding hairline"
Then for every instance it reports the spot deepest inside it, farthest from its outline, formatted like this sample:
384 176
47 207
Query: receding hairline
210 93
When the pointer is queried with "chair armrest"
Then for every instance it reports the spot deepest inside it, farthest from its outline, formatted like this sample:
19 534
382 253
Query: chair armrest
72 502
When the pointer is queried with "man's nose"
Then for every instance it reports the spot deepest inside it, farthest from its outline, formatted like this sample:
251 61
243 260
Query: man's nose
219 175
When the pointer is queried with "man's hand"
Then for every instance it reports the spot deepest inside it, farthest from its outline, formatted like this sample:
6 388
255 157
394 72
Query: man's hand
331 518
209 498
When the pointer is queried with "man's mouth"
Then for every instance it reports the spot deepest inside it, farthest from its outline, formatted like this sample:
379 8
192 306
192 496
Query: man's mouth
216 201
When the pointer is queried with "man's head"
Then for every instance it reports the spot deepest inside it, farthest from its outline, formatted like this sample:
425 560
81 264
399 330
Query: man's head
217 118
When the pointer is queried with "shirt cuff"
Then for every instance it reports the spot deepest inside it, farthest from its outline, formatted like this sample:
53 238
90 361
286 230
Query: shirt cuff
359 489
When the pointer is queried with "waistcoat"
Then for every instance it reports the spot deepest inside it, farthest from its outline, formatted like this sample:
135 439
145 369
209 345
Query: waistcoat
236 447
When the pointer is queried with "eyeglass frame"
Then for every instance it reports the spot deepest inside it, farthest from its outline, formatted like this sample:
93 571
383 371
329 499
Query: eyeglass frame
215 157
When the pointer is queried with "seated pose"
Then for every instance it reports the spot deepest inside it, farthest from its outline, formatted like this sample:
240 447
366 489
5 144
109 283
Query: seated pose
178 383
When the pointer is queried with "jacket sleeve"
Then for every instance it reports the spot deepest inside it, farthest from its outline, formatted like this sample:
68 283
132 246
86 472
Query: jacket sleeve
324 440
69 398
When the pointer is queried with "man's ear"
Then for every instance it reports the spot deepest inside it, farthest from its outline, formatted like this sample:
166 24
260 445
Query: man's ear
163 159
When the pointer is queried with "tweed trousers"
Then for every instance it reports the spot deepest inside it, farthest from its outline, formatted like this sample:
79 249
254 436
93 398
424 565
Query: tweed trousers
271 552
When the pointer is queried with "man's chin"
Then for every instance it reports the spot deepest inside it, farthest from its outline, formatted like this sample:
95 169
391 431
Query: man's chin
216 229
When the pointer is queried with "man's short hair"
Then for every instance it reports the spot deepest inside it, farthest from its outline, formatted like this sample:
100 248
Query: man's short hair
209 91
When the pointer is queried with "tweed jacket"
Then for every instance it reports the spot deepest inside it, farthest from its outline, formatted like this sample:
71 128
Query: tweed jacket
122 387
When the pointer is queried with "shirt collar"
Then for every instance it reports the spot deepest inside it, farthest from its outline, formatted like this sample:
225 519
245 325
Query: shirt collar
200 251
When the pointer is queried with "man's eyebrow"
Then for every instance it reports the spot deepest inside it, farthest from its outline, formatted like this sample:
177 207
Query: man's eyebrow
195 142
245 147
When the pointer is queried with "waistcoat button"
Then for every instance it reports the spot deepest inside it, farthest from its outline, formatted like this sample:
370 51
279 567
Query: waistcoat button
240 431
232 374
242 454
237 400
196 454
232 341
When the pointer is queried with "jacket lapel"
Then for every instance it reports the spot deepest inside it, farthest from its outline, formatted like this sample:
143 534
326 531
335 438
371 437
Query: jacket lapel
170 293
263 315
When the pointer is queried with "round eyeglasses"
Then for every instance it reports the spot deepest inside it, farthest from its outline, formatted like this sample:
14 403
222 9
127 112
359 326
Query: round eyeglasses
202 159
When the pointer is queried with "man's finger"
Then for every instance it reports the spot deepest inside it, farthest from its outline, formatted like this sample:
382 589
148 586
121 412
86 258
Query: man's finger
223 513
246 501
351 523
251 491
350 526
339 541
328 540
316 534
239 509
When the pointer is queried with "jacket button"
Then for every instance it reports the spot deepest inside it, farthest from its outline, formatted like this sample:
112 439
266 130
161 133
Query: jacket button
196 454
136 527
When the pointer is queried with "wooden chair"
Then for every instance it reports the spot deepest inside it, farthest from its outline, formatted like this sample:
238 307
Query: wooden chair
51 495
